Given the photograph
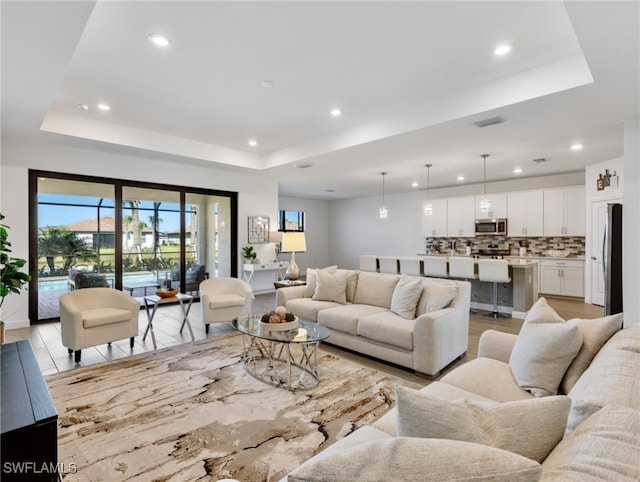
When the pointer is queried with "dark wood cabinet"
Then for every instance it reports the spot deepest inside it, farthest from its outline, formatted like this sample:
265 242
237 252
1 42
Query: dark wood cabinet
29 424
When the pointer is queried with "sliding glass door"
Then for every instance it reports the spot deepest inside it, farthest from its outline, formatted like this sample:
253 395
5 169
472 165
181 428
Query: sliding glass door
131 236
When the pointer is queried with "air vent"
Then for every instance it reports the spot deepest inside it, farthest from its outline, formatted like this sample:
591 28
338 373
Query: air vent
539 160
489 122
303 166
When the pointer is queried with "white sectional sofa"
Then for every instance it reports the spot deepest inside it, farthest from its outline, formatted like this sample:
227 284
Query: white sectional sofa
481 421
416 322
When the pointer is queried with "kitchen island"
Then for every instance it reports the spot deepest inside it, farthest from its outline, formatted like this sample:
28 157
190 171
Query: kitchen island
514 298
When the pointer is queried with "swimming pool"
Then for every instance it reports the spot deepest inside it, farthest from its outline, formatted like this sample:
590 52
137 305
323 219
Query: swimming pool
45 284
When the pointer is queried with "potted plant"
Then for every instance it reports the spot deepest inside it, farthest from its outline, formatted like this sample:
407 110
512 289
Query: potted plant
11 278
249 254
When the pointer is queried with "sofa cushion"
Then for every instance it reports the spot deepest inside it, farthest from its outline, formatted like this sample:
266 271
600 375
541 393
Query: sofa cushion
545 348
414 459
104 316
375 289
436 295
611 378
311 279
345 317
488 378
225 301
405 297
387 327
531 428
331 287
308 309
603 447
595 334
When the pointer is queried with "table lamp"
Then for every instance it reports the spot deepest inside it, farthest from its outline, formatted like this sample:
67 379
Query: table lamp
275 237
292 242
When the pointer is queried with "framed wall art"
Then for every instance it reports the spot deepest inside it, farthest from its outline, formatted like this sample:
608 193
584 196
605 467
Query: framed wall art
258 229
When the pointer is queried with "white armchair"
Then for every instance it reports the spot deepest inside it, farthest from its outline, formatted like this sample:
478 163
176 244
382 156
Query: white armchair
93 316
223 299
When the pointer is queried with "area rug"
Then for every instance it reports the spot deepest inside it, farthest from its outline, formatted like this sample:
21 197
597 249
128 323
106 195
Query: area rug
192 413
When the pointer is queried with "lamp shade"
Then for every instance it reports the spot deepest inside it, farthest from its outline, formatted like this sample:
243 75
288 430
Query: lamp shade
275 237
293 242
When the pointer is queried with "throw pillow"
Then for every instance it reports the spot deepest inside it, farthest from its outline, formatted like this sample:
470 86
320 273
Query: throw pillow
595 333
407 459
544 349
310 289
352 283
331 287
531 428
436 295
405 297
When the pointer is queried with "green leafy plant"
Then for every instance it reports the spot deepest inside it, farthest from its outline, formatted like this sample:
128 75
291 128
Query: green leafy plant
249 253
11 278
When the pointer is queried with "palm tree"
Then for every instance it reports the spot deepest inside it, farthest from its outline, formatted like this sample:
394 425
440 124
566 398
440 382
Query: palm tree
61 242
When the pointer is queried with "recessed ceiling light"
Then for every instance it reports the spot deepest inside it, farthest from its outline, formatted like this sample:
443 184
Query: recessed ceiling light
336 112
253 142
502 50
460 178
104 107
414 184
83 106
329 190
517 170
267 83
576 147
159 39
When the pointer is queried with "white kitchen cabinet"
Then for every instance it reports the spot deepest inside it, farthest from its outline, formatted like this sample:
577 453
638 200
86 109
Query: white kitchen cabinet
461 217
564 277
435 225
564 212
498 207
525 213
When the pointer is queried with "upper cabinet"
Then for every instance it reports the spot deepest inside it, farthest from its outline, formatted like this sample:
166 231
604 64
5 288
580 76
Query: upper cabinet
564 212
525 213
461 217
435 225
498 206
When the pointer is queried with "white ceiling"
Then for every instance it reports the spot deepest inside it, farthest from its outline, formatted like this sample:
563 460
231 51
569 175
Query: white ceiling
410 77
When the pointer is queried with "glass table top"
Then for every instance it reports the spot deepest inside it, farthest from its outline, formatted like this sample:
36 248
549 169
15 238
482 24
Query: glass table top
307 331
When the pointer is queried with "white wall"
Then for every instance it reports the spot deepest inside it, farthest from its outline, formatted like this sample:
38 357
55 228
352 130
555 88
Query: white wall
592 195
631 222
258 194
316 213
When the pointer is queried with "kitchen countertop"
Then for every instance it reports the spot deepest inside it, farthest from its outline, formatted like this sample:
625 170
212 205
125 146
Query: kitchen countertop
514 261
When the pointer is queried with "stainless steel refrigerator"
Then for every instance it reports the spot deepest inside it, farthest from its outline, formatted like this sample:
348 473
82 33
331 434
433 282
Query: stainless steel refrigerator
612 256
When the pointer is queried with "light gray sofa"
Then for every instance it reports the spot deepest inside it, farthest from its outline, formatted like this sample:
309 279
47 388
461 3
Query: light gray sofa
601 440
424 329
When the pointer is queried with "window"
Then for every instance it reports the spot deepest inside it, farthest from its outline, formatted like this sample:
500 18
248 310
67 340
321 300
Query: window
291 221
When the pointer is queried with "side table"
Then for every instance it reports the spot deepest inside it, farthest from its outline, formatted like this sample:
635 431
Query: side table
155 301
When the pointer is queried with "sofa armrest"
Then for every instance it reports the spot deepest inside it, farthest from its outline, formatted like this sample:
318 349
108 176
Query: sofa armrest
289 293
497 345
439 337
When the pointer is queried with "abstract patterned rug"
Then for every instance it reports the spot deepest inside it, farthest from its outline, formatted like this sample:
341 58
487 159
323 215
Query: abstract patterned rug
192 413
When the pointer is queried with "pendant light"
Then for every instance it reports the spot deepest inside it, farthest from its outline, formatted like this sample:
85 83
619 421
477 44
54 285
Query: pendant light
485 204
383 212
428 207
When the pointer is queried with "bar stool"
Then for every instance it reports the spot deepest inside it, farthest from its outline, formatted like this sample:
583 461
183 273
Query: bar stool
435 266
462 267
368 263
410 266
388 265
494 271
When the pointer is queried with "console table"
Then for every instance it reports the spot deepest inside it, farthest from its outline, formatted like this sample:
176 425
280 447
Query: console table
29 418
262 276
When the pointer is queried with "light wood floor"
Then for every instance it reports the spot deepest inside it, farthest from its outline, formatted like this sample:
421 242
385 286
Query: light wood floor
53 357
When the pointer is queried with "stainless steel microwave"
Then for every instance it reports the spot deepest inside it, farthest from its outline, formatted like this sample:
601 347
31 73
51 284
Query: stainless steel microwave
491 226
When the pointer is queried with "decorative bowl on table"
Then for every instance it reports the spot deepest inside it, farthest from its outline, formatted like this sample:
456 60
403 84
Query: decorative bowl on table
279 320
165 293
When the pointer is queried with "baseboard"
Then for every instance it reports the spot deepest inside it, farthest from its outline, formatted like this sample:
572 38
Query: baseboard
15 324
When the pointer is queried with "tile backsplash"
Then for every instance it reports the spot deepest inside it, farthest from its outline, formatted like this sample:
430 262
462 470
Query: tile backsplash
534 246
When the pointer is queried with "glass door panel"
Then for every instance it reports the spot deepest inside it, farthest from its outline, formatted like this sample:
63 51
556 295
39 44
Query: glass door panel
151 239
76 240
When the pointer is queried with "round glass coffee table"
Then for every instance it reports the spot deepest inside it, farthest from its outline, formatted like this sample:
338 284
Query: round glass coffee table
285 359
